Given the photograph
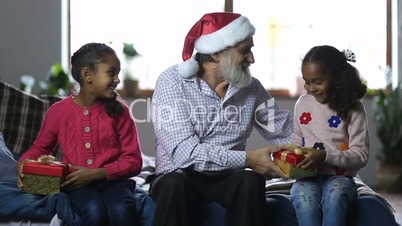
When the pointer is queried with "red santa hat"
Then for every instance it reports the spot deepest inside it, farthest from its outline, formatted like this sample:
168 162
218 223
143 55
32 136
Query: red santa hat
212 33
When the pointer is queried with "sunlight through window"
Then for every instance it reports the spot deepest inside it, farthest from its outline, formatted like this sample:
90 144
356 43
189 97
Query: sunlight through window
285 31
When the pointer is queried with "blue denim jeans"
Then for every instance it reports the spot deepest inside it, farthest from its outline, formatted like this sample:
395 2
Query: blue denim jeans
19 206
106 203
323 200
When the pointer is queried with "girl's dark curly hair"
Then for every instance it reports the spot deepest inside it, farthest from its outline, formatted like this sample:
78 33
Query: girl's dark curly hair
345 85
90 55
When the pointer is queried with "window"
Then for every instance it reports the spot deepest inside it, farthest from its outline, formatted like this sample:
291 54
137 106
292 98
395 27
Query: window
157 29
286 30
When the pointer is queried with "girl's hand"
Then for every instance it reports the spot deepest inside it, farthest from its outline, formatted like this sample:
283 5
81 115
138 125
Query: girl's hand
313 158
82 176
18 168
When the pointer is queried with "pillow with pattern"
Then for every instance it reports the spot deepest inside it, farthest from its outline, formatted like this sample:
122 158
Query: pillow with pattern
21 116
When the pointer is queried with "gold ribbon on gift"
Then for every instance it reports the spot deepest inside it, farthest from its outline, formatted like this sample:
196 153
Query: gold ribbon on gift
284 154
45 159
48 159
296 151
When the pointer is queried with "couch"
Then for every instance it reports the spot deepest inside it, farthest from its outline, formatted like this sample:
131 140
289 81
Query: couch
21 115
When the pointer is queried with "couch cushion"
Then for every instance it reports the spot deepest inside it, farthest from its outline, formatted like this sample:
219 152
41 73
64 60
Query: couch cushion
21 116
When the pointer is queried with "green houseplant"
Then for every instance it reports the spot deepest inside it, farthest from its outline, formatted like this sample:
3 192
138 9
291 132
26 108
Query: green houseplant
388 117
130 82
57 82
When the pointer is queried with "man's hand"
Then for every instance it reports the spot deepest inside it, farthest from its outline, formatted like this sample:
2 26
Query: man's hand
314 158
82 176
261 162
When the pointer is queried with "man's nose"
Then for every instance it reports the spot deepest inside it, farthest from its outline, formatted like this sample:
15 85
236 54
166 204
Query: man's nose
250 57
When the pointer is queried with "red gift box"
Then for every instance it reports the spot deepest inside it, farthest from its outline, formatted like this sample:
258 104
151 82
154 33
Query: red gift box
287 160
45 169
289 156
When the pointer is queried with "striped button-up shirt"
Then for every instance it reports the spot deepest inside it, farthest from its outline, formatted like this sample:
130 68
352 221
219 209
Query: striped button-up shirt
197 130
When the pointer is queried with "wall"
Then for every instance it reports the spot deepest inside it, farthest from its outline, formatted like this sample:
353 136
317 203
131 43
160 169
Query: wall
30 38
141 112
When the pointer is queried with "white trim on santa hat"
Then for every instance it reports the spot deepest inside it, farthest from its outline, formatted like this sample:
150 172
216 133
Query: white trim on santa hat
233 33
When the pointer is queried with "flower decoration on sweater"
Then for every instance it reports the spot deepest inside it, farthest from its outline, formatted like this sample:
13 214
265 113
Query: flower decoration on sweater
318 146
339 171
334 121
349 55
343 147
305 118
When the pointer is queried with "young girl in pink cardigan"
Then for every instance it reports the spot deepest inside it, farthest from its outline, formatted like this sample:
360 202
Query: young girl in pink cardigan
97 134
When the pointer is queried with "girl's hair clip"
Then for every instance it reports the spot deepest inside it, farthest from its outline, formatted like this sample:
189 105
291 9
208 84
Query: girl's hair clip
349 55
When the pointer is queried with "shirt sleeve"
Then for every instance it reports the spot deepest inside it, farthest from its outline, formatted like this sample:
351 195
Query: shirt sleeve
176 138
273 123
357 154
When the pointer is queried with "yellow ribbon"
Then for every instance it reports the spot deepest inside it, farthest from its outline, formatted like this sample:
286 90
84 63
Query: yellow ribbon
284 154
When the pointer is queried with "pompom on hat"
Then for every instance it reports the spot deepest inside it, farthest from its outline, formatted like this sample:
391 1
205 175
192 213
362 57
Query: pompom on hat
212 33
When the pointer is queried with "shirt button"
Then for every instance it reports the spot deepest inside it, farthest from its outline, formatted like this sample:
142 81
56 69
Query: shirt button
89 161
87 129
86 112
88 145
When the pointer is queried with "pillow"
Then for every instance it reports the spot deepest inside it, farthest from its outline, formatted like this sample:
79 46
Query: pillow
7 166
21 116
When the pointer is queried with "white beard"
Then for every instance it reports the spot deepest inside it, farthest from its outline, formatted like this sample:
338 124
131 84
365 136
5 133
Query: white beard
237 75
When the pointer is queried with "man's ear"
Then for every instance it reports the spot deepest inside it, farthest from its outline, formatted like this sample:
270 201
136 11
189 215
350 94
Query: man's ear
86 74
215 56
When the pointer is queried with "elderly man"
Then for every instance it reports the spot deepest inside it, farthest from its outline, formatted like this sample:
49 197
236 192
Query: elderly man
204 109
